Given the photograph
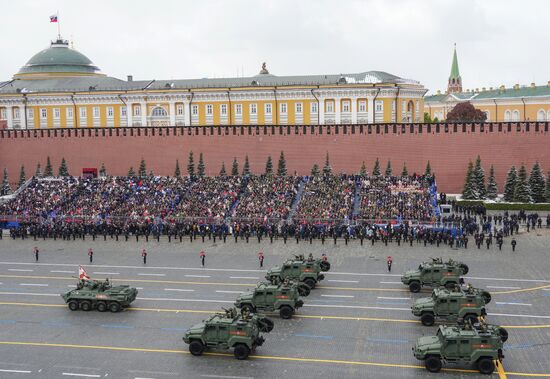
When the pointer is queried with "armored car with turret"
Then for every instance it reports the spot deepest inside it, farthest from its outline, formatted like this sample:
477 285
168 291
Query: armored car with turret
100 295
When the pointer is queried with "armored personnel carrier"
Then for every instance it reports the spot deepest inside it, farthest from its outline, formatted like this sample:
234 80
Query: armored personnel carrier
267 297
100 295
323 263
464 344
434 274
452 304
241 332
307 271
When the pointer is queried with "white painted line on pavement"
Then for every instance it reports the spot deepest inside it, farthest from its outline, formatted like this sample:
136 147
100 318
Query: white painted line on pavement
81 375
63 271
139 288
243 277
178 289
197 276
343 281
71 285
225 377
106 273
348 296
19 270
143 274
355 307
186 300
16 371
503 303
393 298
515 315
359 274
33 284
504 288
391 283
230 291
143 378
29 294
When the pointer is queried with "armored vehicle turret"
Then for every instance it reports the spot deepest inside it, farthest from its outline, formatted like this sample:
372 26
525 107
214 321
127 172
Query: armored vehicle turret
464 344
100 295
434 274
267 297
307 271
227 330
451 305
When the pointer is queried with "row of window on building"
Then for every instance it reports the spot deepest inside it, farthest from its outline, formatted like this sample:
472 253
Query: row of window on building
509 115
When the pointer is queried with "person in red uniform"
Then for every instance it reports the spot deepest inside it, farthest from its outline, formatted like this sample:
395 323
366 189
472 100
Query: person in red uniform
144 256
389 261
261 258
202 255
91 254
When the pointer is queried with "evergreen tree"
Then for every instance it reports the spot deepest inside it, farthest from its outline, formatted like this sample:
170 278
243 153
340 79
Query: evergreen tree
6 188
376 169
405 172
191 165
222 170
103 170
469 191
510 185
142 172
547 192
38 172
281 167
327 170
536 183
151 174
48 171
63 169
177 171
389 170
22 177
246 166
201 168
363 171
315 172
428 171
479 180
131 173
522 193
269 166
492 188
235 168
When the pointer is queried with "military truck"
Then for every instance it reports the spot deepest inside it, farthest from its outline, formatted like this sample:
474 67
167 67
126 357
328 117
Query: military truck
299 269
450 305
434 274
100 295
465 344
267 297
227 330
323 263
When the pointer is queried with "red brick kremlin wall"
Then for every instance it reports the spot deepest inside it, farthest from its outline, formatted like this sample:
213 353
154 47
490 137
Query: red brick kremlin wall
448 147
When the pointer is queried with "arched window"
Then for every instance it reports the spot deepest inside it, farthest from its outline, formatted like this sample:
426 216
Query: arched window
515 115
541 115
507 115
548 115
159 112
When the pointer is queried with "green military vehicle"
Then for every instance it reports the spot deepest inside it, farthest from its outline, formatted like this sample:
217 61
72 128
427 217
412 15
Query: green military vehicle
100 295
452 304
241 332
434 274
307 271
323 263
267 297
481 345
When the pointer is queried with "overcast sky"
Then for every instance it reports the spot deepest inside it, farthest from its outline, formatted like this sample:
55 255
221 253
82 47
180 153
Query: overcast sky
498 41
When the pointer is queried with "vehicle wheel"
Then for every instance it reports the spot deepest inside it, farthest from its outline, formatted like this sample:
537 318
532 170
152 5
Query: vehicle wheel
247 308
470 319
86 305
114 307
310 283
450 285
464 268
196 348
433 363
304 290
503 334
415 287
73 305
241 351
101 306
265 325
486 366
286 312
325 266
486 297
427 319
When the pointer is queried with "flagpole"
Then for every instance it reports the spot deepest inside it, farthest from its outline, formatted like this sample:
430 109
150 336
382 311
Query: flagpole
58 27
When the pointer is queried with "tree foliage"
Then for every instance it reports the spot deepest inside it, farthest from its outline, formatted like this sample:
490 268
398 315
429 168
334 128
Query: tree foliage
469 191
246 166
6 188
389 170
547 192
142 172
131 173
363 170
479 179
315 172
222 170
428 171
492 189
327 169
269 166
522 193
465 112
376 169
405 172
177 171
537 184
22 177
38 171
191 165
63 169
48 171
201 168
281 167
103 170
510 185
235 168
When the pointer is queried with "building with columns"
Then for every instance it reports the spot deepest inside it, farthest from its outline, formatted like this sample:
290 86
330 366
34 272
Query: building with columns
519 103
61 88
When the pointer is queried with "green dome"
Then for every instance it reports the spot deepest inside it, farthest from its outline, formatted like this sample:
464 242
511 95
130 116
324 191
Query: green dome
58 59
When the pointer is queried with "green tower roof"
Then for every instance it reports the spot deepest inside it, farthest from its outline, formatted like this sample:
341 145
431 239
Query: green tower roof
455 73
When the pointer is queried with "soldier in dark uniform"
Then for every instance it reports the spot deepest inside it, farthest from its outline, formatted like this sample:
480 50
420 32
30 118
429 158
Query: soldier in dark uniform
36 253
91 255
144 256
514 243
202 256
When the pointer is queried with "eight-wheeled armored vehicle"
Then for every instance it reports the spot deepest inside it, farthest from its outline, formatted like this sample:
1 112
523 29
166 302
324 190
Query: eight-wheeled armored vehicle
100 295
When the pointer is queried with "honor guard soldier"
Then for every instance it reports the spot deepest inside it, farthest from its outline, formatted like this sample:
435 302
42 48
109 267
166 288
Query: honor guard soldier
144 256
91 255
389 261
514 243
261 258
36 251
202 256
